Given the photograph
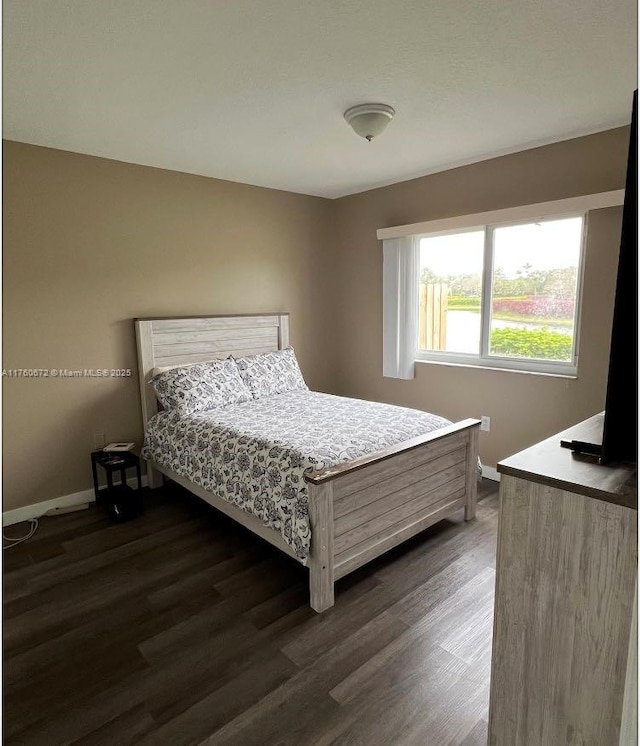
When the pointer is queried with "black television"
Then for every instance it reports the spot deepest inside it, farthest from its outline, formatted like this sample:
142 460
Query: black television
620 433
620 428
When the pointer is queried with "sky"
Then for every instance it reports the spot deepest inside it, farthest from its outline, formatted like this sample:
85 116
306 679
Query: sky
552 244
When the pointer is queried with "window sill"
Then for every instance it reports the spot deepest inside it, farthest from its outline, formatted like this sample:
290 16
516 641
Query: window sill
499 369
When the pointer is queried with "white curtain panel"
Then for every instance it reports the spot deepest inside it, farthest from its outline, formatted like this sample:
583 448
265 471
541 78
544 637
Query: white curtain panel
401 263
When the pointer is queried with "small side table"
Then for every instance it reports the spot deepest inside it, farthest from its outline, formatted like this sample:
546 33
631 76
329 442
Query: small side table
121 501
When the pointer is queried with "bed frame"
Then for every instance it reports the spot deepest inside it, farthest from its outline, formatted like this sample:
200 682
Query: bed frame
359 509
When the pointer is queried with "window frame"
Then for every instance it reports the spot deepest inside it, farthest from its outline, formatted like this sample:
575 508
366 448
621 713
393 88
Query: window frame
483 359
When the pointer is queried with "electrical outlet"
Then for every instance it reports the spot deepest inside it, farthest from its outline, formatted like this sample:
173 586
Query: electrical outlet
485 423
99 441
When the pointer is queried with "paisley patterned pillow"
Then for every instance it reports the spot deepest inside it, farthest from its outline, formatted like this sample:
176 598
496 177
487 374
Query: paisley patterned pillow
200 387
271 373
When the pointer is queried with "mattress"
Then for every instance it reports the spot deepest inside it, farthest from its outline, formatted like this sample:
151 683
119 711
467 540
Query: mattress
255 454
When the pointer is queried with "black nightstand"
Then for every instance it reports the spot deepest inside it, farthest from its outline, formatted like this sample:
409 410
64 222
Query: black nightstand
121 501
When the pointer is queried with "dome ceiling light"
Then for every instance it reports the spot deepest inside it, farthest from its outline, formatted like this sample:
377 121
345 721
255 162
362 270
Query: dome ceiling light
369 120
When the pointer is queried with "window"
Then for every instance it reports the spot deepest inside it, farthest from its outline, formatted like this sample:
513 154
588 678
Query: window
502 295
498 289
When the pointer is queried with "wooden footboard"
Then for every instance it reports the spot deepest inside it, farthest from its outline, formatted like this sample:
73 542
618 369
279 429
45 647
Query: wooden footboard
363 508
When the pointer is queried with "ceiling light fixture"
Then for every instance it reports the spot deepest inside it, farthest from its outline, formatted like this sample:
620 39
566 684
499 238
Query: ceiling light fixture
369 120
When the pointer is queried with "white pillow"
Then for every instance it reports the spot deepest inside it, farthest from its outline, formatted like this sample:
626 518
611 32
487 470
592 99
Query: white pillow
200 387
271 373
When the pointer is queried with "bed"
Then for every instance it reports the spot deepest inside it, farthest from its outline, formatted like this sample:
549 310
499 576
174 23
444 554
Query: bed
337 502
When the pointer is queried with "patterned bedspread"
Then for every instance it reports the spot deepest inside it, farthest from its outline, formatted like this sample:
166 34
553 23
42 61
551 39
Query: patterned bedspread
255 454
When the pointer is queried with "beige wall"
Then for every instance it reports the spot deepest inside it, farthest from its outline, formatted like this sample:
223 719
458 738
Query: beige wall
91 243
523 408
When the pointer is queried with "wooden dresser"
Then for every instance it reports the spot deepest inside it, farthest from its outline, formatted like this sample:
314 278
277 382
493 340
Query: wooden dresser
564 643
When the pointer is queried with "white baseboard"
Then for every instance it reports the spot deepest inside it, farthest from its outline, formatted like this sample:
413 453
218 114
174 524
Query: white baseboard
17 515
488 472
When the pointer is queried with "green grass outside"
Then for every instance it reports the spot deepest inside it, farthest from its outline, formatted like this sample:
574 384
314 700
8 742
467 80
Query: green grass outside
460 303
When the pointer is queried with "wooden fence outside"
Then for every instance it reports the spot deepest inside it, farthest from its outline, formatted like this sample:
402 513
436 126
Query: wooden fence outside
432 320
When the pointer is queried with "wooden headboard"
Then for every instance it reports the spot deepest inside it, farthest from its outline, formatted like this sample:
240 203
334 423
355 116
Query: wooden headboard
178 340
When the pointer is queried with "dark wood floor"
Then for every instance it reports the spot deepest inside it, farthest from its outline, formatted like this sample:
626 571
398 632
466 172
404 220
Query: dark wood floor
182 628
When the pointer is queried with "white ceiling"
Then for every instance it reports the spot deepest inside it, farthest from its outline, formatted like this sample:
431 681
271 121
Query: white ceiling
254 90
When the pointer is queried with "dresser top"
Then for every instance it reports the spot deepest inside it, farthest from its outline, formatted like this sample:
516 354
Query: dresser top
548 463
